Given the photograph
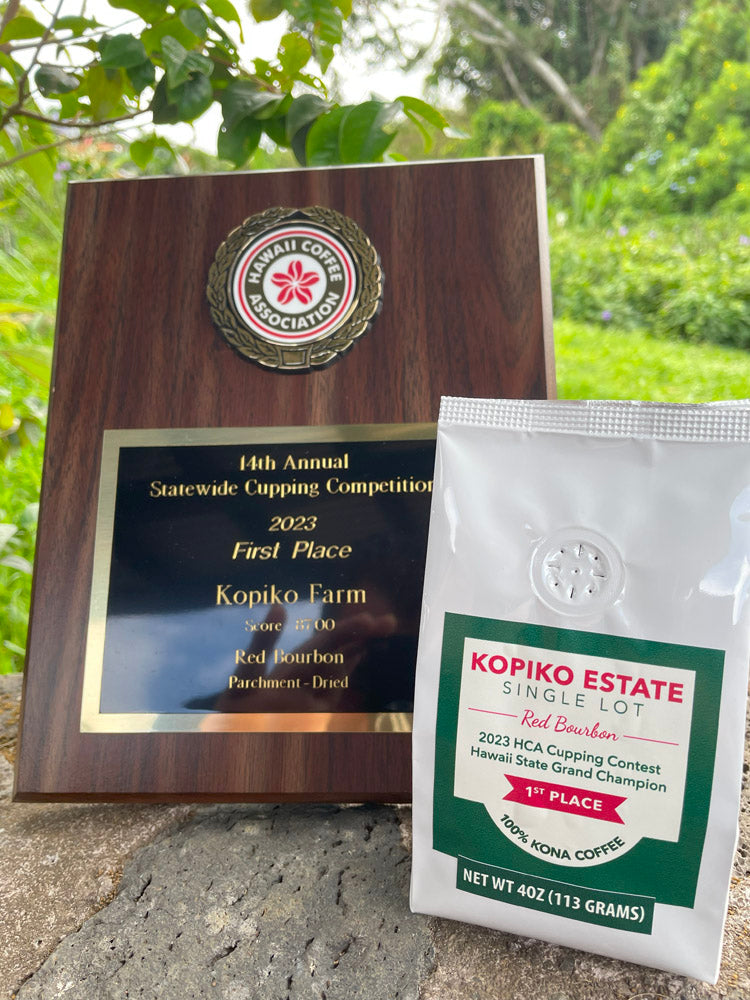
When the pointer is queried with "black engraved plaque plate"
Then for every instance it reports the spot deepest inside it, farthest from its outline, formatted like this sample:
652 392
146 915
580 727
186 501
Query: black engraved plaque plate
263 580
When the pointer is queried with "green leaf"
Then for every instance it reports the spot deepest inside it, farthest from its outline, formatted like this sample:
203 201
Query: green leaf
76 24
294 53
34 359
299 145
345 6
361 135
7 531
237 144
40 169
181 64
194 20
224 10
148 10
69 104
323 17
424 110
266 10
142 150
21 27
8 418
122 52
193 97
54 80
142 76
422 129
17 562
303 111
14 70
244 99
163 110
169 27
275 129
105 89
322 145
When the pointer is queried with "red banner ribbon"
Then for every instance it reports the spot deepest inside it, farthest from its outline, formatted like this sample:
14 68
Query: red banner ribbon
564 798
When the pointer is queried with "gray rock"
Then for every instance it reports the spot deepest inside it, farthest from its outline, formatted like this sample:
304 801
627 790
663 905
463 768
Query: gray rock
59 863
254 902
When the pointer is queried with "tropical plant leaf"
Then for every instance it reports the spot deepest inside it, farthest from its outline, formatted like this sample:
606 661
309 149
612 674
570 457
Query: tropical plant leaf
122 52
7 531
21 27
245 99
361 135
322 144
238 143
194 20
303 111
17 562
34 359
223 9
54 80
266 10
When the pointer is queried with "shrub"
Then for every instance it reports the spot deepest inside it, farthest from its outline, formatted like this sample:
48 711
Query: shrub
507 129
677 277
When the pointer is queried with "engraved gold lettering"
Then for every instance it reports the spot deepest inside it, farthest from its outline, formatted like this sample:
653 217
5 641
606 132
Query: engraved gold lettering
243 656
339 596
317 462
308 548
160 490
372 487
249 550
314 656
330 682
257 463
279 491
264 626
226 594
263 682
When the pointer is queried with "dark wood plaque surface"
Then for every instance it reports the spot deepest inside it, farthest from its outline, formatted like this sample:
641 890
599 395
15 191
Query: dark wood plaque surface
466 311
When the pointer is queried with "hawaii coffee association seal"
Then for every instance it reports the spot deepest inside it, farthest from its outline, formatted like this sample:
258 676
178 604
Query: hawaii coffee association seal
293 288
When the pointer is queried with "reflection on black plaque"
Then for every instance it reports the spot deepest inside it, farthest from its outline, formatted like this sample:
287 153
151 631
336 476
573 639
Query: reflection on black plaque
258 580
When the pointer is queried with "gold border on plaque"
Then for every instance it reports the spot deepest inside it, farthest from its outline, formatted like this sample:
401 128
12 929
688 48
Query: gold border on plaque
325 349
95 721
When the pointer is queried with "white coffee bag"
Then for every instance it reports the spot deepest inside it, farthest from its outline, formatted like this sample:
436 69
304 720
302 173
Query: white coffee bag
582 674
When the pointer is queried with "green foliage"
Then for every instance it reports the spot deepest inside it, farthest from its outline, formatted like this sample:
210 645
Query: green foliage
171 66
662 98
19 494
30 236
507 129
679 142
677 277
596 48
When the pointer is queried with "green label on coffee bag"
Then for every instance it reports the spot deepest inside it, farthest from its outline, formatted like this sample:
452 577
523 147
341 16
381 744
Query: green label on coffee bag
576 757
623 911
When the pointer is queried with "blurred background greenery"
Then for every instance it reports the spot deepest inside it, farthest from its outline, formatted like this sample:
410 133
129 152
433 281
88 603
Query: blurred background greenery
641 108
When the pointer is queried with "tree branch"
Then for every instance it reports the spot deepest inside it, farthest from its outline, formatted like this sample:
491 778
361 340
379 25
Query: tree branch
514 83
42 42
9 13
32 152
74 123
507 39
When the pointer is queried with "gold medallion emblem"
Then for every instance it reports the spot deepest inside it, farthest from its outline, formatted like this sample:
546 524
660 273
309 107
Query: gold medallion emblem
294 288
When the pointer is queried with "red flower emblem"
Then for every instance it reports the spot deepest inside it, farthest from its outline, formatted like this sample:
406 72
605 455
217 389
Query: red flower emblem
295 283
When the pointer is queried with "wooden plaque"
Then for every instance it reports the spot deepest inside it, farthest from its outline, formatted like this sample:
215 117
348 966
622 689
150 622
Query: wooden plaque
155 396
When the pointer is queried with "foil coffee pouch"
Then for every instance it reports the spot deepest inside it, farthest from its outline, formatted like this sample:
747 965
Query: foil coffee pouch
582 674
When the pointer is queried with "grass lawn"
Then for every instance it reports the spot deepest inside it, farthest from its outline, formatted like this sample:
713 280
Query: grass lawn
593 362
